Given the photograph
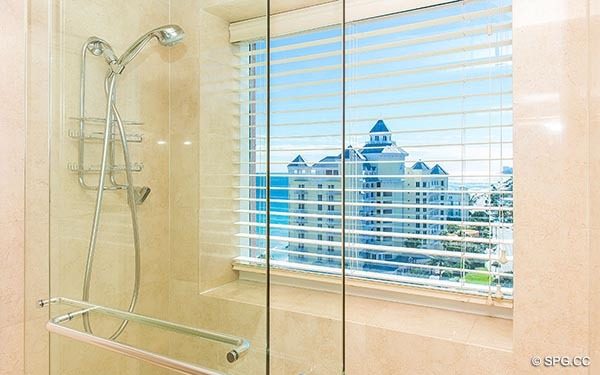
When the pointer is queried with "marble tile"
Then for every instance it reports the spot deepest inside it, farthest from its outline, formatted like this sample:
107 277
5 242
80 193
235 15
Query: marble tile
37 346
11 349
11 274
12 170
551 313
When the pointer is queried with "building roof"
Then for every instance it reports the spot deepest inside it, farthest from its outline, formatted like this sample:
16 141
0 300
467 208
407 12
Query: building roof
352 152
382 148
383 144
328 162
379 127
298 162
333 161
437 169
420 166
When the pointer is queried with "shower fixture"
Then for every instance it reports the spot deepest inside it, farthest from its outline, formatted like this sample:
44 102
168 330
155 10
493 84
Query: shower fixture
168 36
141 193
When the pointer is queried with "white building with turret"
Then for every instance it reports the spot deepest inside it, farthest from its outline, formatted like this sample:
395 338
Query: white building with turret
388 204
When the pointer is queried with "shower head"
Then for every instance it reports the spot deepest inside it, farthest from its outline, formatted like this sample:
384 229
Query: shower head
167 35
99 47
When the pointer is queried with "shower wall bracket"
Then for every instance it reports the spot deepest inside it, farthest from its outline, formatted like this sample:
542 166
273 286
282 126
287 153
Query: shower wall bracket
87 134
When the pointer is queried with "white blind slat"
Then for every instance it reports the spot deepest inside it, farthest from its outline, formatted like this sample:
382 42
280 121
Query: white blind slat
428 113
290 214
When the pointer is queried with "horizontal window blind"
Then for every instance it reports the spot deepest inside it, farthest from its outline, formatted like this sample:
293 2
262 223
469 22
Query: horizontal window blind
428 130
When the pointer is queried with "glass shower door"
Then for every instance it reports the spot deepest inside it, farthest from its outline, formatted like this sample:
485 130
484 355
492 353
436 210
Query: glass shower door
147 268
305 167
429 190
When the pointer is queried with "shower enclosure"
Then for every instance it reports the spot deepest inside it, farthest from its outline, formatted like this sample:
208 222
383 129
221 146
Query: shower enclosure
252 187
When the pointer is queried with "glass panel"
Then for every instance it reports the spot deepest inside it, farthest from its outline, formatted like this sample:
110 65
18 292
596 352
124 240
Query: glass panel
429 182
183 112
430 187
305 145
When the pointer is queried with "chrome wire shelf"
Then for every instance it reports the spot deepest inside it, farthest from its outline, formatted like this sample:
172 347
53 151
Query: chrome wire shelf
84 135
55 325
102 121
99 136
75 167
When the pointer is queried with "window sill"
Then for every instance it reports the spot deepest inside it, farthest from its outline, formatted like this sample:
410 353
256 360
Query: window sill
373 313
380 290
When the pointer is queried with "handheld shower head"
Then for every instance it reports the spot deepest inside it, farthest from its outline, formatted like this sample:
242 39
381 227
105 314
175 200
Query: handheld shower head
167 35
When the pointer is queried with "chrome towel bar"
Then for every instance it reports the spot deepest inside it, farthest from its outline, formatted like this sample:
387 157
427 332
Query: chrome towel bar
55 325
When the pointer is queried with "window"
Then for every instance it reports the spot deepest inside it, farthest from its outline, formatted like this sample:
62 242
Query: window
428 107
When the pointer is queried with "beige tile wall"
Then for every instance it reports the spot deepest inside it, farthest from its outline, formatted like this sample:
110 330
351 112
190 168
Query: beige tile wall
551 109
12 188
37 189
594 182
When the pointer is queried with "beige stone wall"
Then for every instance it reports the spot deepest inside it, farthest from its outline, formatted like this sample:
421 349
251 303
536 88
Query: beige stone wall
594 182
552 192
37 189
12 223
